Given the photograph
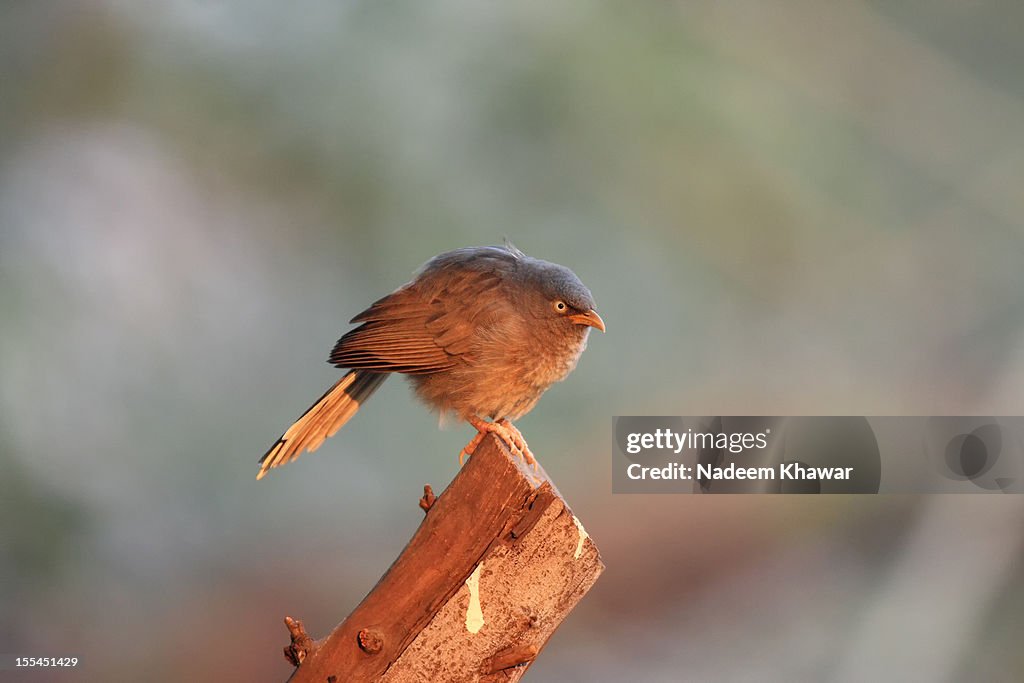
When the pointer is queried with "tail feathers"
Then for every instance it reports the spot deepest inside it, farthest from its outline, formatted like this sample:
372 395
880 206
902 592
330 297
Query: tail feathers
323 419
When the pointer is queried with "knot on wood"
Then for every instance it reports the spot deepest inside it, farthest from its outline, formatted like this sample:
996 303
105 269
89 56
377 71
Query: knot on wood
370 641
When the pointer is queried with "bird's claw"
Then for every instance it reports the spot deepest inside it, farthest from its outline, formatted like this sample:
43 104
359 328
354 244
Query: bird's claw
513 438
470 447
507 432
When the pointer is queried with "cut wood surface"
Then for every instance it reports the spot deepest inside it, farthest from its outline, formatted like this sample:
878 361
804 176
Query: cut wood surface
497 564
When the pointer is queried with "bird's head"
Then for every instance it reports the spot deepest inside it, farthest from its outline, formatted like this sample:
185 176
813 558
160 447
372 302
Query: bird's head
559 297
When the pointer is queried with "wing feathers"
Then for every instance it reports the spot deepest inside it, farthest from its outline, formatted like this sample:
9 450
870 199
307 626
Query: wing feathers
426 326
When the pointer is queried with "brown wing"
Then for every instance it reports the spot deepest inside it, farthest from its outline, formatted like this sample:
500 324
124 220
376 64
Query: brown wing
426 326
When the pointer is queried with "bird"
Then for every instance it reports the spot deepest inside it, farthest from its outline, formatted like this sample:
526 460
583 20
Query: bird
480 332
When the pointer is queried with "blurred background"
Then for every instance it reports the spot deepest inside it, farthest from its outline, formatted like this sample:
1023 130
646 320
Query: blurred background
781 208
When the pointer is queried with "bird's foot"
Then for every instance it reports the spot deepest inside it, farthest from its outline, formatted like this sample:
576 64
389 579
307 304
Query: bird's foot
507 432
511 435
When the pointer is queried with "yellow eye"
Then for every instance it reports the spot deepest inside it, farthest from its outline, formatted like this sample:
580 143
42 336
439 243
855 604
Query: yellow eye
560 306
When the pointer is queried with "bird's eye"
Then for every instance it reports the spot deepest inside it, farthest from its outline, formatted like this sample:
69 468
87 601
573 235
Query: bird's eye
560 306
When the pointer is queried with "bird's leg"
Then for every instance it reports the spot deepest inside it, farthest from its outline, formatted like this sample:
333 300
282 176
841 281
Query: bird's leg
505 430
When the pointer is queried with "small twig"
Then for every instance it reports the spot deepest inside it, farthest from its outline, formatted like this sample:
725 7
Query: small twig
302 645
427 501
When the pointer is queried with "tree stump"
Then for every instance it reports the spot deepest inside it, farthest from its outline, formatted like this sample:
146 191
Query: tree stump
497 564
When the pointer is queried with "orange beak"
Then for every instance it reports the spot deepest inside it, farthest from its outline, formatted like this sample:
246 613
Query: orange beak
590 318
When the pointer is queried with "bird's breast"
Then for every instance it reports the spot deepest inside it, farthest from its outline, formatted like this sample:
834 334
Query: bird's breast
552 362
504 377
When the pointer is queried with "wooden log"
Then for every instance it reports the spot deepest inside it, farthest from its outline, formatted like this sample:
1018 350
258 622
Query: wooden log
497 564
